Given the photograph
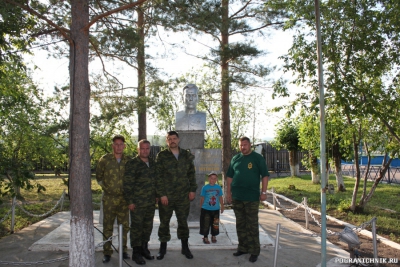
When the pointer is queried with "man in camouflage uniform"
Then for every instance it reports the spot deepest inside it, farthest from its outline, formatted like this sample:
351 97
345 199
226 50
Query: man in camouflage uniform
243 189
176 187
109 174
140 194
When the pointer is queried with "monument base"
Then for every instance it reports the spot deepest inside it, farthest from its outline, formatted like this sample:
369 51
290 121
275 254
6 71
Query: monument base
205 161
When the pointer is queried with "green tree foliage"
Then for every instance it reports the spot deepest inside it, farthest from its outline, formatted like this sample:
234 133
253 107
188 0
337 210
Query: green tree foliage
337 144
27 137
124 37
23 143
309 140
360 44
15 26
287 136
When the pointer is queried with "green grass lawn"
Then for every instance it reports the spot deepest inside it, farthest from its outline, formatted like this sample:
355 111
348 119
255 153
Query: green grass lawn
42 202
384 204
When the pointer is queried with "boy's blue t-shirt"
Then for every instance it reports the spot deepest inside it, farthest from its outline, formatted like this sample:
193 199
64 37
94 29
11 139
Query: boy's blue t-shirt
211 194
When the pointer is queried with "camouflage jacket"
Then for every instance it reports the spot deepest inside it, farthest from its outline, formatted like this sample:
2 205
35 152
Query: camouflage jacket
110 174
139 182
175 177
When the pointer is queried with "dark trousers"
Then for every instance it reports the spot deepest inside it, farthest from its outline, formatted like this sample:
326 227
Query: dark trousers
181 209
246 213
141 224
209 219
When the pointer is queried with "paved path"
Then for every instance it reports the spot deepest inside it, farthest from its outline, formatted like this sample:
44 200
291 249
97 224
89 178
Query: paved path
49 240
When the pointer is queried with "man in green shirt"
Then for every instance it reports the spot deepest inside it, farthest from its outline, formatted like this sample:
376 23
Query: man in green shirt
243 190
176 187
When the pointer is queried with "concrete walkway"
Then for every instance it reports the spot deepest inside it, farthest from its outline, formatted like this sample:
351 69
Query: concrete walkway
48 240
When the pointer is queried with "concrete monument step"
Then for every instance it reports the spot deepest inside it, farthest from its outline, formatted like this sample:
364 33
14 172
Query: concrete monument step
58 240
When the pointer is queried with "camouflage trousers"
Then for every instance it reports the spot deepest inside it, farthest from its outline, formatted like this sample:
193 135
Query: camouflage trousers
181 209
141 224
114 207
246 213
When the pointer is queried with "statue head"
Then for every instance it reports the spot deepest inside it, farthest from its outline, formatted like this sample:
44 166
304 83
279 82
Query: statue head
190 96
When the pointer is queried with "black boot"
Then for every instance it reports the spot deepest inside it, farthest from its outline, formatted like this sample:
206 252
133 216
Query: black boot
163 251
136 256
185 249
146 252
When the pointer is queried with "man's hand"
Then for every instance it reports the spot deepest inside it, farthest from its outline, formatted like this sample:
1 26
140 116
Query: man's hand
228 198
263 197
164 200
192 195
131 207
222 209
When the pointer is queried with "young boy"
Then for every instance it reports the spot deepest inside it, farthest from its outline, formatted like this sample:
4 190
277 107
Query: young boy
211 203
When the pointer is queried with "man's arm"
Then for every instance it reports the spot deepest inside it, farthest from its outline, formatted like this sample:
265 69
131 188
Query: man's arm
264 186
160 187
100 172
191 174
228 189
128 184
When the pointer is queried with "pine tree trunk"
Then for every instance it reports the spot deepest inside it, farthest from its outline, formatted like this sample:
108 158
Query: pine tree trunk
81 242
142 103
81 235
225 114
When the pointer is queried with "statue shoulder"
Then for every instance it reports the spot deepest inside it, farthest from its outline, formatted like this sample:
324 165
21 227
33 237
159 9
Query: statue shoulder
179 115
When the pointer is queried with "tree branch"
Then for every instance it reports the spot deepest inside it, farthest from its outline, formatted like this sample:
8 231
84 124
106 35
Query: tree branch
96 18
240 10
256 29
26 7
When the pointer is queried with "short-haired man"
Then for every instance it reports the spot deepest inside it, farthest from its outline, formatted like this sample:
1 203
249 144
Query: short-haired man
176 187
243 190
140 194
109 174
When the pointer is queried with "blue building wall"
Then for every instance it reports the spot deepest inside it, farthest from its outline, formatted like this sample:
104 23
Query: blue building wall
376 160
